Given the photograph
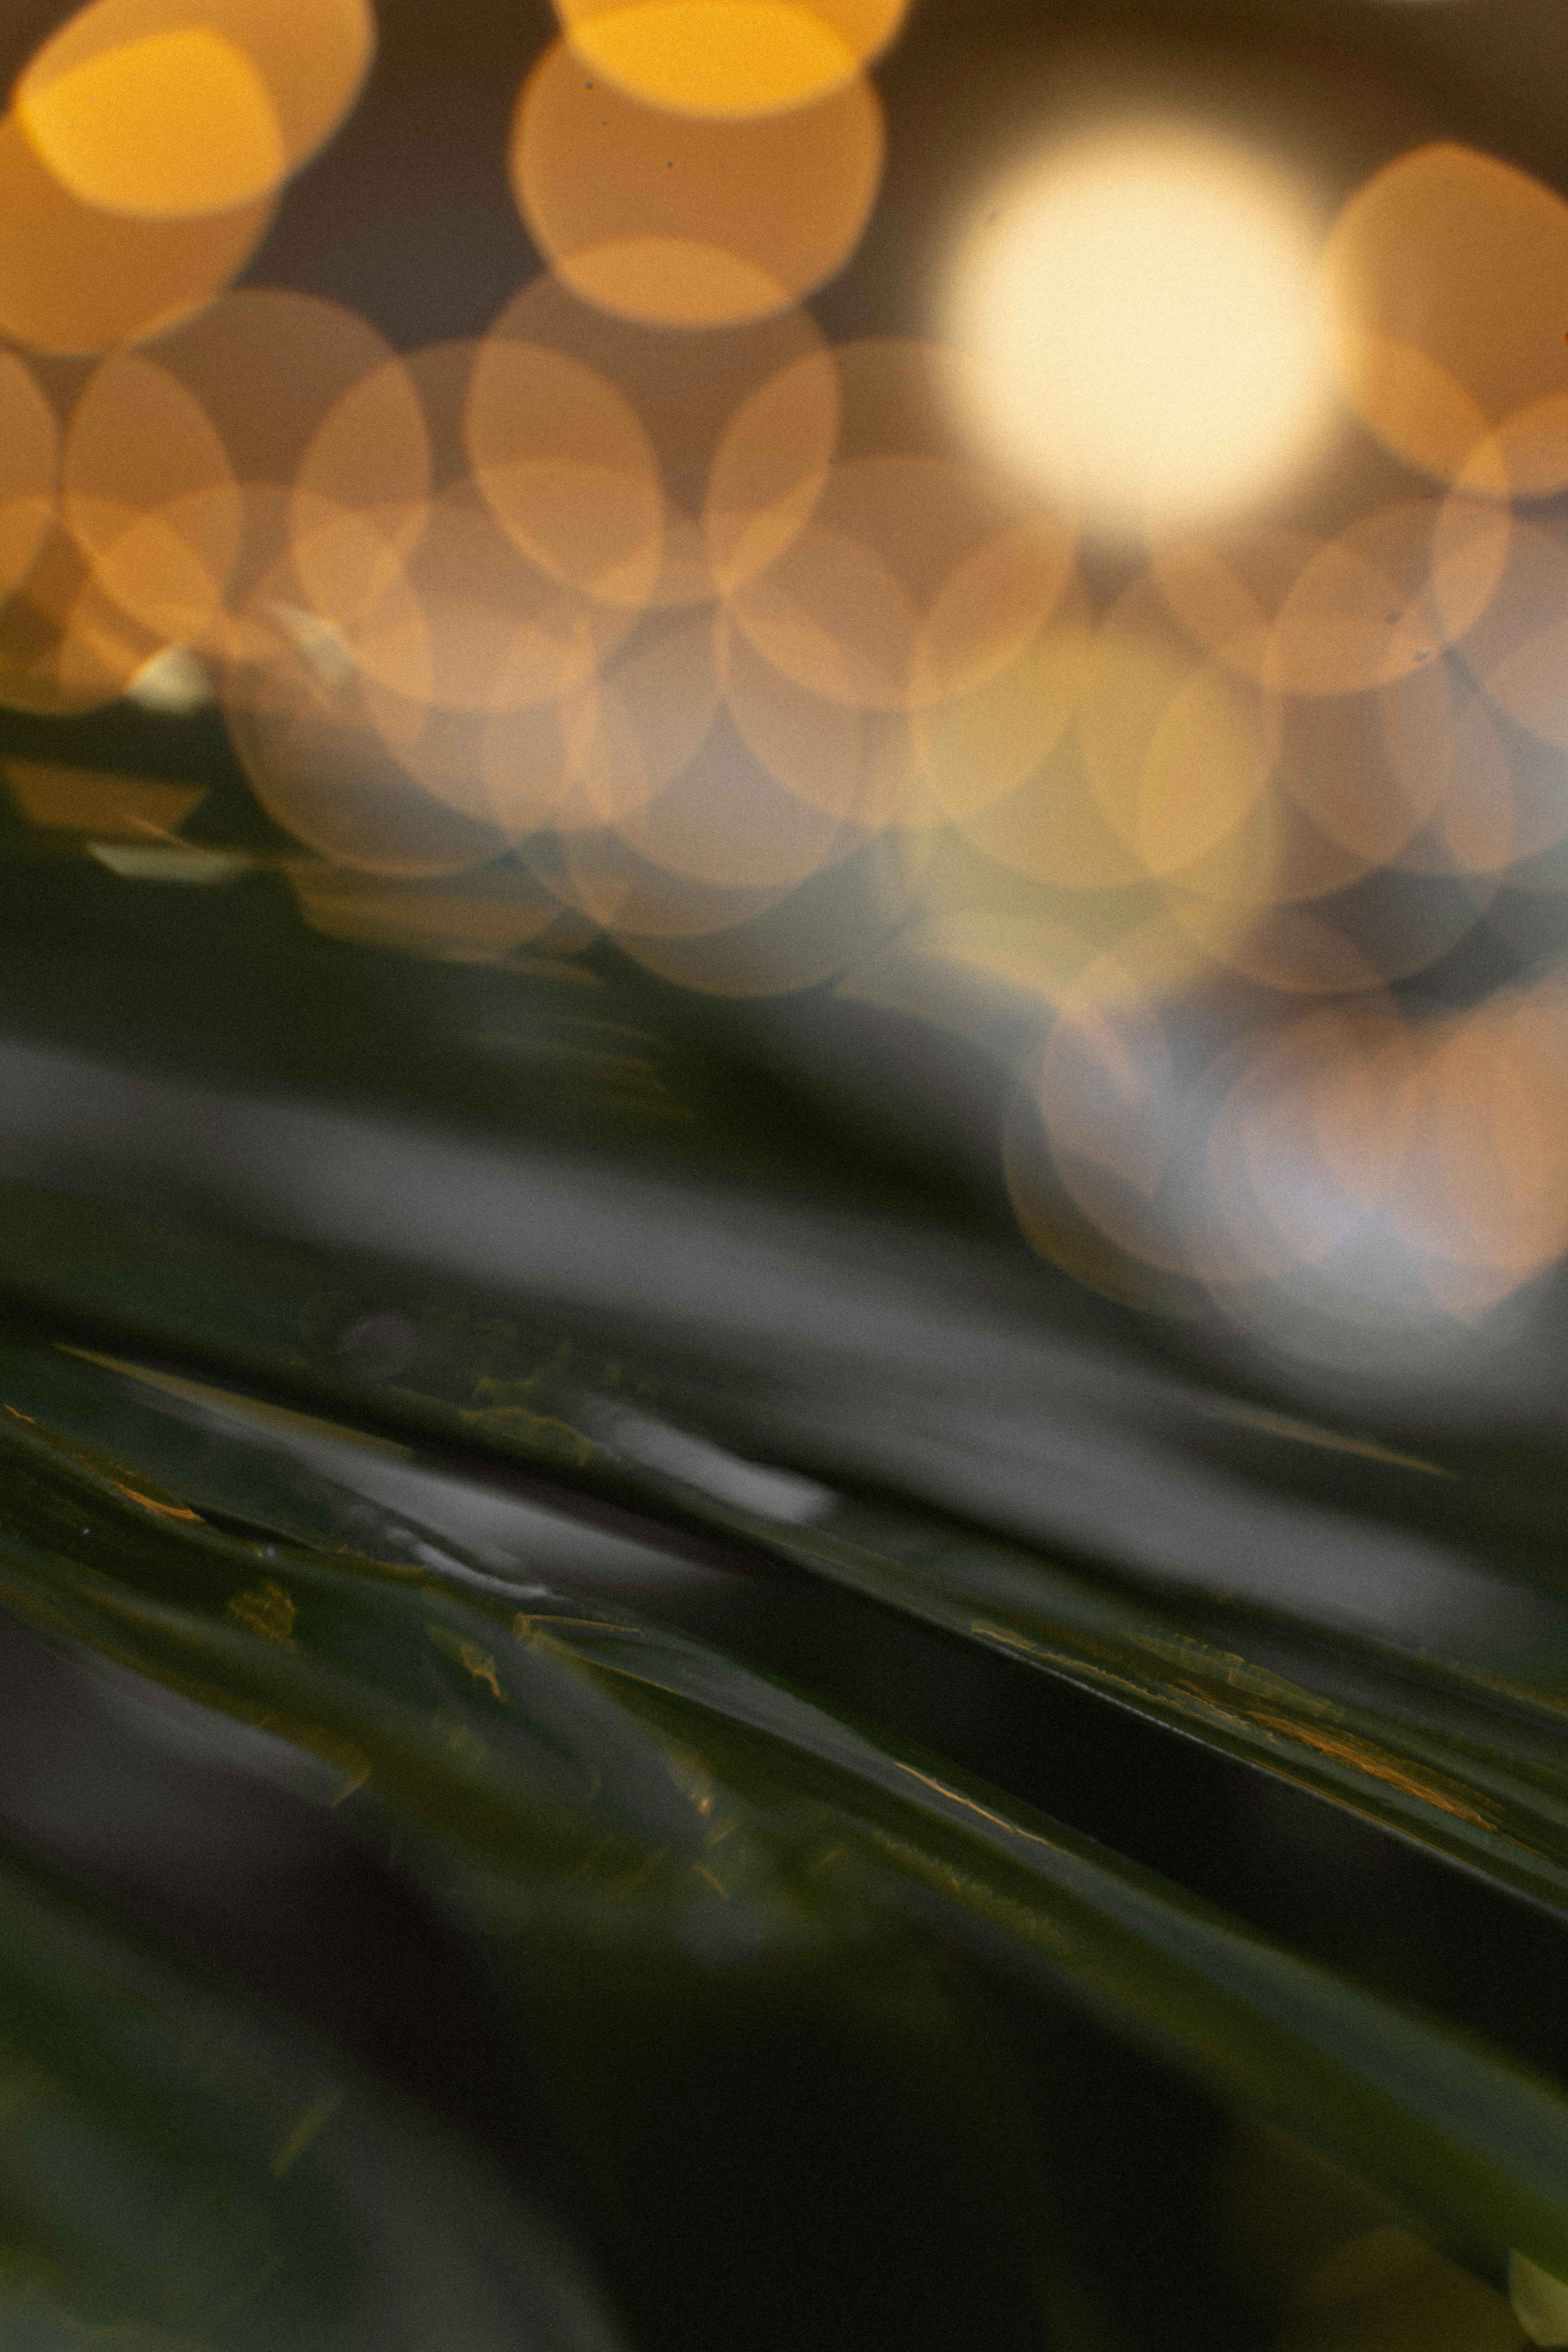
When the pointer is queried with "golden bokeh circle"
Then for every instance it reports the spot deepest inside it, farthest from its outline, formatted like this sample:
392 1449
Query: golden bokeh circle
679 221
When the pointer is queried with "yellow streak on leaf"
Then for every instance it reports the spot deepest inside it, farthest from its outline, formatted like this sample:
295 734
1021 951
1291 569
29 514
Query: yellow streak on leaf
481 1665
268 1611
1345 1750
166 1510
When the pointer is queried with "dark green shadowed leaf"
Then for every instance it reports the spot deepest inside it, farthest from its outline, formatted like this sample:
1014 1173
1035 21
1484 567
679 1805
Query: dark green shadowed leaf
177 2174
156 2173
1459 1753
593 1787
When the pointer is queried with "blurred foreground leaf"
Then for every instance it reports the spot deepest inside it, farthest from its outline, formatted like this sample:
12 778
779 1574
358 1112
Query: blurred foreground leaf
612 1804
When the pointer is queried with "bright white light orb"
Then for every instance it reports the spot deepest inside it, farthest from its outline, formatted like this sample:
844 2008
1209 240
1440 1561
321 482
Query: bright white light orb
1142 312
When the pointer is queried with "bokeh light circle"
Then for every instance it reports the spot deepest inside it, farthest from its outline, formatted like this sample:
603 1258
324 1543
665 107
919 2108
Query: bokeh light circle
76 279
1141 308
741 420
808 935
567 467
729 59
65 646
132 131
1443 276
295 709
29 447
168 110
148 494
679 221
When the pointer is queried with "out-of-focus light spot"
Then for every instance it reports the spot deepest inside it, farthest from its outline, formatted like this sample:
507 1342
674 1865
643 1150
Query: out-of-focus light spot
178 863
149 495
85 800
1143 312
1483 815
464 631
905 580
485 918
726 823
1354 1168
360 495
1518 653
1379 775
1177 749
168 109
317 762
770 468
1441 1145
741 420
626 735
1443 276
708 856
680 221
175 682
1387 596
64 647
271 373
809 934
1226 587
1489 1190
164 128
1307 1143
894 595
919 575
1540 2301
603 877
269 365
833 614
1317 935
471 625
1294 949
729 58
1339 616
992 605
1207 764
75 278
595 755
564 462
1050 827
857 764
679 281
314 59
1095 1113
28 455
1259 811
977 748
144 151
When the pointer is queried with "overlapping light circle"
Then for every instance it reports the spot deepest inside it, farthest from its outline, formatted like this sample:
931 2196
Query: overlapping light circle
650 611
29 446
729 59
145 150
1443 276
1357 1156
684 219
75 278
169 109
